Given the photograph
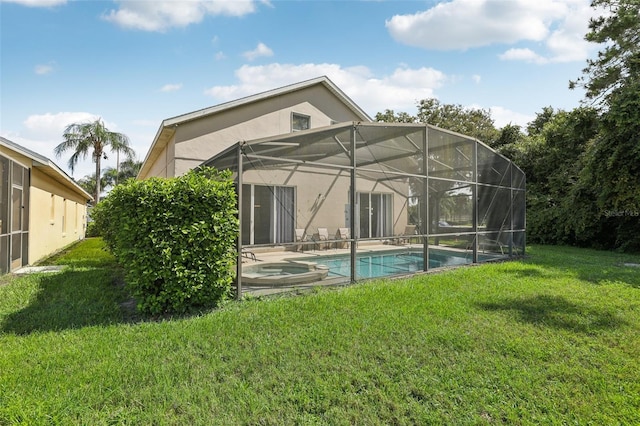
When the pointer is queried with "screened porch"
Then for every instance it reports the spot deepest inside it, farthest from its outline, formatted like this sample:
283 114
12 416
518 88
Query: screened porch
356 201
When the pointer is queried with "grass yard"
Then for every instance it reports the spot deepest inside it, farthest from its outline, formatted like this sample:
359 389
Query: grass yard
552 339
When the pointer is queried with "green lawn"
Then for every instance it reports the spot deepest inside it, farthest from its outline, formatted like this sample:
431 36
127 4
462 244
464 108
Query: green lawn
552 339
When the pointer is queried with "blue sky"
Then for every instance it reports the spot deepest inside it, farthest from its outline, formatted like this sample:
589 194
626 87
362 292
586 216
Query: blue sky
136 63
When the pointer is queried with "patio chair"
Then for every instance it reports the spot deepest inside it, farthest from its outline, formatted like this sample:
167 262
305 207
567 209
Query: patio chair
301 239
323 235
409 232
249 254
342 234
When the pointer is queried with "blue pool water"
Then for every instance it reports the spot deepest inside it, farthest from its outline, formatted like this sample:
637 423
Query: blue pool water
381 264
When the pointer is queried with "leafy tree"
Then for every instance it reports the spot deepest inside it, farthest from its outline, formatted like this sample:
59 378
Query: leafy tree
610 179
472 122
88 183
618 63
92 138
553 160
127 169
611 175
389 116
535 127
509 135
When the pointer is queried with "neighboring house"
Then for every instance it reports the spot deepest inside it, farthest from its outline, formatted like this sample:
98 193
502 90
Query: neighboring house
41 208
186 141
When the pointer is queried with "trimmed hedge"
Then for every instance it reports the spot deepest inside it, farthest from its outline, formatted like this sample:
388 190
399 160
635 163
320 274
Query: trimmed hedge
175 238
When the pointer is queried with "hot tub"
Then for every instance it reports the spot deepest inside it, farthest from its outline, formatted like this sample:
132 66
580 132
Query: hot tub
283 273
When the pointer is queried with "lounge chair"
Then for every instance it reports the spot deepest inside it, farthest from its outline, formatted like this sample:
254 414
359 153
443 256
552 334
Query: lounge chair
409 232
323 235
342 235
301 239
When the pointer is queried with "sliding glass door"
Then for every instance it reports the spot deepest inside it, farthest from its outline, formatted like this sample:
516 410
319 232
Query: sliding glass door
376 212
269 216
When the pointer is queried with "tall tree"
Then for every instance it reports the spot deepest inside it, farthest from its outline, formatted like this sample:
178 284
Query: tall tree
468 121
127 169
618 62
535 127
95 139
610 178
389 116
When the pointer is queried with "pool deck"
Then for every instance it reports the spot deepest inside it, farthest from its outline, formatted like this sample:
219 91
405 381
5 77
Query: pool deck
275 255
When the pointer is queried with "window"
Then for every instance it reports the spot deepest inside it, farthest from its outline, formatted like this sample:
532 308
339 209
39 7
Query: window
52 212
300 122
64 217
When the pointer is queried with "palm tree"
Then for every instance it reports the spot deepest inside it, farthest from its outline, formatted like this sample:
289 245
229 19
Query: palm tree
94 138
127 169
88 183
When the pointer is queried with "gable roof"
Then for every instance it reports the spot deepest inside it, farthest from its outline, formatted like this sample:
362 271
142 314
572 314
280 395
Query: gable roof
167 127
47 167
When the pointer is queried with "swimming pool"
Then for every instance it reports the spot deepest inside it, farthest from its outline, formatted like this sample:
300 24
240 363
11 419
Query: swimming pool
381 264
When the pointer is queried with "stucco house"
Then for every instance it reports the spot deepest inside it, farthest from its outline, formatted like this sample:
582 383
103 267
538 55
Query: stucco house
41 208
315 174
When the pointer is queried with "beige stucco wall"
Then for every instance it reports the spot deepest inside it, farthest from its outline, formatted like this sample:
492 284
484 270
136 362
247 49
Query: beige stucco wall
160 165
200 139
322 196
57 216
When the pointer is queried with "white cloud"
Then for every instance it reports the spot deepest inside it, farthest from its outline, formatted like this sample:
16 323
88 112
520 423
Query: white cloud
43 69
220 56
37 3
148 15
502 116
261 50
51 126
526 55
567 42
43 132
398 91
476 78
560 25
171 87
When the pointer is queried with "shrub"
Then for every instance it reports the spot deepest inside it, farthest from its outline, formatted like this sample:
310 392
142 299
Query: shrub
174 237
92 230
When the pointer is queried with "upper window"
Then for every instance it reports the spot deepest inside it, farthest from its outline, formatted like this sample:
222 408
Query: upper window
300 122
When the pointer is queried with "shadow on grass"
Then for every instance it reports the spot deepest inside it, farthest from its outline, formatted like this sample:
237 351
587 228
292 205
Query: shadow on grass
557 312
611 273
527 272
593 266
71 299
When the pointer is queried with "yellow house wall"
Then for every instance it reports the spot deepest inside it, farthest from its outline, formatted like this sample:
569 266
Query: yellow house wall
57 216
